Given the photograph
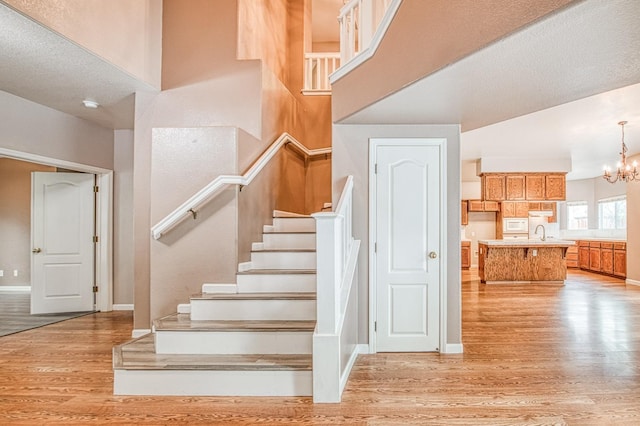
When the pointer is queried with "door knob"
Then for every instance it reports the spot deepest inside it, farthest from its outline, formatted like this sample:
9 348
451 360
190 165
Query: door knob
433 255
36 250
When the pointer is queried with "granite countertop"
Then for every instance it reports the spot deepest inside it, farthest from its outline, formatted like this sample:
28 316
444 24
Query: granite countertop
551 242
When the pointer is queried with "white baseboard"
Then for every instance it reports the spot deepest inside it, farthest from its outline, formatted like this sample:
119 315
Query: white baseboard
139 332
632 282
453 348
363 348
123 306
16 288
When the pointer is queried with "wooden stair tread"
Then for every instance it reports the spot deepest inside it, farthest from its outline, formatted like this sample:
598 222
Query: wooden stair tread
183 322
253 296
277 271
139 354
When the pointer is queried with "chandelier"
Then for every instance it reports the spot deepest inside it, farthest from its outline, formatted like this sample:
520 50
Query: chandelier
624 172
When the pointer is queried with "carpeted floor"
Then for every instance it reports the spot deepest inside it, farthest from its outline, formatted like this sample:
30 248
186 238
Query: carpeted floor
15 316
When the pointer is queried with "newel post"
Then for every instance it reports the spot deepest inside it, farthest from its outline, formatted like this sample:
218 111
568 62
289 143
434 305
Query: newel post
328 271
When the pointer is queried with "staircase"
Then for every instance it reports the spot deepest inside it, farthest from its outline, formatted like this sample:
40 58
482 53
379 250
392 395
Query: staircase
251 338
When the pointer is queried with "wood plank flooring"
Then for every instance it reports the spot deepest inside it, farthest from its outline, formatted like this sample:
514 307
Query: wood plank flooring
534 354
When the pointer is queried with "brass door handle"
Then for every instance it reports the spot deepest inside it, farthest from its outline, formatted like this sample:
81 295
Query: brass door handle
433 255
36 250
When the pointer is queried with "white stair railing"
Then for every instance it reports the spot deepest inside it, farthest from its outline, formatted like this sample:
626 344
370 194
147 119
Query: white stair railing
317 68
358 21
188 208
335 337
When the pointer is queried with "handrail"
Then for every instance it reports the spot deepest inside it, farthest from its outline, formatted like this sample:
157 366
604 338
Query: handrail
202 196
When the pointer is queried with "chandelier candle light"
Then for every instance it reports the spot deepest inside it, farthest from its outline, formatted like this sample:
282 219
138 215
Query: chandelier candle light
625 172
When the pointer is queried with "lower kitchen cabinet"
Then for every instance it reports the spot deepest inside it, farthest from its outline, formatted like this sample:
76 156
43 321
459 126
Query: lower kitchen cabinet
465 254
572 257
606 257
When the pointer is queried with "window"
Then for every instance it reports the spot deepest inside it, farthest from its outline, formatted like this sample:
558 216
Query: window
577 215
612 213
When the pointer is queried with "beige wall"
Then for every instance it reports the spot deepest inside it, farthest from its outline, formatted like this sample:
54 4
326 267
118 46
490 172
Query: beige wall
351 157
123 258
633 229
36 129
104 27
15 220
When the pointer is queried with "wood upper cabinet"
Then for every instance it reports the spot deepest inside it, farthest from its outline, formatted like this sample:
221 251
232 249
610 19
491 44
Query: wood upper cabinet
515 209
535 187
555 187
483 206
493 187
515 187
464 212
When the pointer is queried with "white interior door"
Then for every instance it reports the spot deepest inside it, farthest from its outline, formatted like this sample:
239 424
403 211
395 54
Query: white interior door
62 229
407 237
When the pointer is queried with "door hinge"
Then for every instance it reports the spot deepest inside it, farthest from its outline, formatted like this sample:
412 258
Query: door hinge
96 188
375 168
375 326
95 288
95 238
375 247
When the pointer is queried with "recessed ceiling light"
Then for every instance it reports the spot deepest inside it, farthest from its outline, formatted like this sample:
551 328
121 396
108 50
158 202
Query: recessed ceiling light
90 104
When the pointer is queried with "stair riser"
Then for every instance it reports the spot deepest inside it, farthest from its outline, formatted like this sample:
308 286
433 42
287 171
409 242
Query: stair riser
276 283
294 225
227 342
278 309
212 383
289 241
283 260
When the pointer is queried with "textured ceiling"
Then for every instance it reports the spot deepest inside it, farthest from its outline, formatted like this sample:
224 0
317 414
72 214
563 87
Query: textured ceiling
585 50
44 67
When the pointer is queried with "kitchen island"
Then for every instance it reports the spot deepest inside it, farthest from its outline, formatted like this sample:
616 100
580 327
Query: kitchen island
523 261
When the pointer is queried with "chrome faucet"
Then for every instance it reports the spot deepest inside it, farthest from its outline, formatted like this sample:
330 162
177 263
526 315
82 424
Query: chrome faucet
544 234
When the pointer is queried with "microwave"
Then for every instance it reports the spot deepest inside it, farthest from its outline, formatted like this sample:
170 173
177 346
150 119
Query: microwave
515 226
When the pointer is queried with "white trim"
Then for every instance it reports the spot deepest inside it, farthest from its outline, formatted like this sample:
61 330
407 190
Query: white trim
363 349
344 378
139 332
368 53
453 348
406 141
104 218
122 306
245 266
16 288
632 282
202 196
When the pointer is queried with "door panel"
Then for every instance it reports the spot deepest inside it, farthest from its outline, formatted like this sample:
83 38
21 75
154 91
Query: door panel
406 230
62 237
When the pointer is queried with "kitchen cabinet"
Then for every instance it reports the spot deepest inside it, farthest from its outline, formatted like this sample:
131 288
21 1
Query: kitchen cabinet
523 186
606 257
535 187
493 187
594 256
483 206
464 212
620 259
555 187
547 206
583 254
465 254
515 187
572 257
515 209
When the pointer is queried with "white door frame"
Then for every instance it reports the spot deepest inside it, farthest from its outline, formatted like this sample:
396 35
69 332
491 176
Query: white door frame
373 202
104 219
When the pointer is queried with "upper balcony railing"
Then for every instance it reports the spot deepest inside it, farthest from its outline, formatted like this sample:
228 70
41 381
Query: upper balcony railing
359 20
317 68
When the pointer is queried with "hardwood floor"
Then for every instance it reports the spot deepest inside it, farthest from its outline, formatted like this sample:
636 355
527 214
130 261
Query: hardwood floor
541 354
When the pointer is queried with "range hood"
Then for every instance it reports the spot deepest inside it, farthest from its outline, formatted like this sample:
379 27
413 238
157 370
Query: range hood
540 213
